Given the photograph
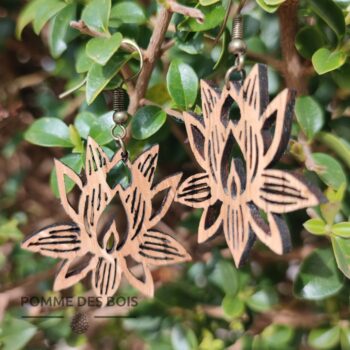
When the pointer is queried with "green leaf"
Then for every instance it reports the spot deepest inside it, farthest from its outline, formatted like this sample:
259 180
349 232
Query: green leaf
266 7
310 115
96 15
342 76
330 171
73 161
308 40
76 140
15 333
232 306
46 11
324 338
318 277
342 229
208 2
102 49
49 132
225 276
83 122
101 129
331 13
345 338
278 336
83 62
9 231
182 83
316 226
59 30
341 249
147 121
325 61
127 12
183 338
214 16
263 300
99 76
28 15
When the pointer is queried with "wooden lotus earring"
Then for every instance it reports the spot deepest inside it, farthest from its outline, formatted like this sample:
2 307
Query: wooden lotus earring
243 197
105 254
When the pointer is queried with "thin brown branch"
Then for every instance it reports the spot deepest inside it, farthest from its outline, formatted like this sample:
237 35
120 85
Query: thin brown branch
175 7
84 29
151 56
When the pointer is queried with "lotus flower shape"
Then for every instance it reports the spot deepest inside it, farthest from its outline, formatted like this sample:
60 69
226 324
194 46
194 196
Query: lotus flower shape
244 196
105 254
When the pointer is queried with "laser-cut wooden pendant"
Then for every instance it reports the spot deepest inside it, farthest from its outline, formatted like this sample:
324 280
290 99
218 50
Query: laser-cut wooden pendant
233 194
79 239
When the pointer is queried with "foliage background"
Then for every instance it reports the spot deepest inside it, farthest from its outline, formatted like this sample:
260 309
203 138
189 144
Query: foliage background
296 301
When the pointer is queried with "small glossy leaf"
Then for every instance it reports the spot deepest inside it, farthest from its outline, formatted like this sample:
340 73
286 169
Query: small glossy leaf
59 30
182 83
127 12
278 336
99 76
96 15
76 140
27 15
330 171
225 276
263 300
342 78
331 13
265 6
232 306
214 15
49 132
308 40
325 61
315 226
324 338
83 122
208 2
83 62
101 129
75 162
46 11
15 333
341 249
318 277
342 229
309 114
147 121
102 49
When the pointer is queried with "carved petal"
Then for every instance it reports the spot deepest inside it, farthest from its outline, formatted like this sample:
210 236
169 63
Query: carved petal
254 93
195 191
96 159
211 221
62 170
196 137
280 111
106 278
169 185
56 241
238 236
145 286
145 165
67 276
210 97
281 192
275 235
158 248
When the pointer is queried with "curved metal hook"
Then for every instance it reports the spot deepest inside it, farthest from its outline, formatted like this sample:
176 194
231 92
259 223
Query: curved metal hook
133 45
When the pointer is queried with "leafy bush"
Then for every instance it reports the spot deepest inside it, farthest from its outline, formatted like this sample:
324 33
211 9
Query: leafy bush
74 47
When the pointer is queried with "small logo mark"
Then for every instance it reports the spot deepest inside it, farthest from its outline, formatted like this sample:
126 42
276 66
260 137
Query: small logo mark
79 323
